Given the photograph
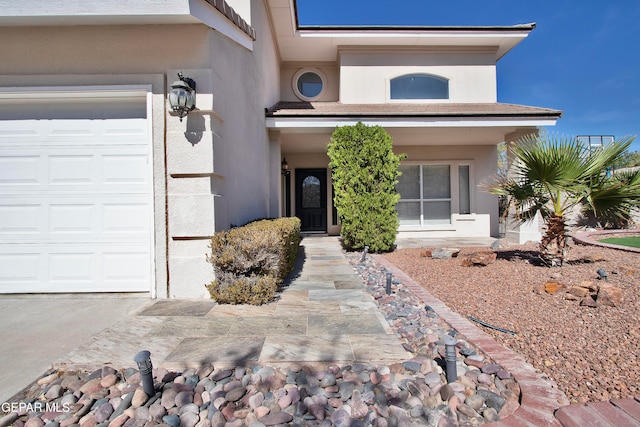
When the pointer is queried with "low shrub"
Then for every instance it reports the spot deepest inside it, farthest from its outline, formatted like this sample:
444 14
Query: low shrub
228 288
250 261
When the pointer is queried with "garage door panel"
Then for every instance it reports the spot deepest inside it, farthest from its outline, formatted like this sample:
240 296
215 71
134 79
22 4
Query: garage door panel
101 219
125 267
75 195
20 219
20 169
21 269
72 172
74 268
71 169
71 218
129 218
118 170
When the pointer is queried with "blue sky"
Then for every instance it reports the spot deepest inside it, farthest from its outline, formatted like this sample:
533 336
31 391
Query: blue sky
583 57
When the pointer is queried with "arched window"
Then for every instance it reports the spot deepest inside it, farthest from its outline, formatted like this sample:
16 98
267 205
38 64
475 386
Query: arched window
419 86
311 192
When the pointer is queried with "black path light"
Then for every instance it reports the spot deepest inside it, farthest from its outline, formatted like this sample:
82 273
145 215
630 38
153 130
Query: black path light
389 279
364 253
143 359
450 359
182 97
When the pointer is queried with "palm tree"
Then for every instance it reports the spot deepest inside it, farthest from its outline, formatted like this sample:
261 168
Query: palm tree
553 174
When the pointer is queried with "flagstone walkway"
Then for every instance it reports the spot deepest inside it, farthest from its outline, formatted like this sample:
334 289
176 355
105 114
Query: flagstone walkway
324 314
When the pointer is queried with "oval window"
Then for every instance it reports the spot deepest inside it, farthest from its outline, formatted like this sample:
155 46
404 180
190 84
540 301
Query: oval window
308 85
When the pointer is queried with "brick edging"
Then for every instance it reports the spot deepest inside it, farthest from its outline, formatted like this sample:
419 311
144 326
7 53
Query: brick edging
586 238
539 398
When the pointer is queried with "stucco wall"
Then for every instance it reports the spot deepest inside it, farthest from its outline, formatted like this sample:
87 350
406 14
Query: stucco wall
329 71
102 49
365 75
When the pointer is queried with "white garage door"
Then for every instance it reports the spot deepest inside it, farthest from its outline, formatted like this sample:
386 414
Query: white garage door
75 195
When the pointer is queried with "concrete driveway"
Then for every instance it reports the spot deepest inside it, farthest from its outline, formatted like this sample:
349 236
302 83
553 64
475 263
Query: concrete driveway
36 331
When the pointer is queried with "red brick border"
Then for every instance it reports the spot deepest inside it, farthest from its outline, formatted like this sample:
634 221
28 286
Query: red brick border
587 238
540 397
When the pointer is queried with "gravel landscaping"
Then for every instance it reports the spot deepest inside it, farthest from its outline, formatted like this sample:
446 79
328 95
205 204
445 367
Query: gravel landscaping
424 391
587 342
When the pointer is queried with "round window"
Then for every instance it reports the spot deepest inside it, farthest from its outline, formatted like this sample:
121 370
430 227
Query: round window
308 85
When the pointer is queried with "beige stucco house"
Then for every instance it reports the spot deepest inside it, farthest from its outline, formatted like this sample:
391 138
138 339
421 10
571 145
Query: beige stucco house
104 189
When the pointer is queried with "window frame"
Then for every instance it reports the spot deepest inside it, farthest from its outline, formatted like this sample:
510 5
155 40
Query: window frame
405 100
454 199
300 73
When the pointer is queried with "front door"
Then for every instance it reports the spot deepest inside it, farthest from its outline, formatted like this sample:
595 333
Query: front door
311 199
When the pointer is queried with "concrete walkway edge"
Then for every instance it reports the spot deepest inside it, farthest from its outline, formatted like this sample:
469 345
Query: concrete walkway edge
540 397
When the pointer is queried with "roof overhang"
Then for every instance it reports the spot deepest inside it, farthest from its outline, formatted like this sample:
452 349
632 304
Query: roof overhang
321 43
216 14
318 115
316 124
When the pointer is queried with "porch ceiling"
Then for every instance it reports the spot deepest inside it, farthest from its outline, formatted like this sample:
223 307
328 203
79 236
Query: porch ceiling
316 140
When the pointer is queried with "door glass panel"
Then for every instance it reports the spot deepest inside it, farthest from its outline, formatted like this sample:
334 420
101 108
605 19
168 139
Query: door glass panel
311 193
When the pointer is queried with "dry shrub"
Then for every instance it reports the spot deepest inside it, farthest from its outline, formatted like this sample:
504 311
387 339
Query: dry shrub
250 261
232 289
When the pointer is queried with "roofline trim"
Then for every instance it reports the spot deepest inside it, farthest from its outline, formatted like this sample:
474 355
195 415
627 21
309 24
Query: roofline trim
394 122
223 7
550 114
393 28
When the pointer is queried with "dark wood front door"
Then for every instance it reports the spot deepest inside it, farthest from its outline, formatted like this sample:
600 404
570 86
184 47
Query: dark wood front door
311 199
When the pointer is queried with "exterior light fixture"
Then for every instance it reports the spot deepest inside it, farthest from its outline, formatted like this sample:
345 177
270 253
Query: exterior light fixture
450 359
143 359
389 280
182 97
364 254
284 167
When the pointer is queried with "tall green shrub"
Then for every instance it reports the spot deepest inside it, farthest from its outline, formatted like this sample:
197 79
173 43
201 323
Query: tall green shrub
364 172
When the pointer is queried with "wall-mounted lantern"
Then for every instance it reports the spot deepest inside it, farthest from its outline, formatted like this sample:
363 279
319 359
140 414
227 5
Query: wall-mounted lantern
182 97
284 167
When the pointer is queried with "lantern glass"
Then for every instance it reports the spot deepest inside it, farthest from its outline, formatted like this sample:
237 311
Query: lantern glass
182 97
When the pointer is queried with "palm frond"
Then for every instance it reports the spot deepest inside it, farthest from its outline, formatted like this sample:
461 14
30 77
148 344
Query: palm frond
614 196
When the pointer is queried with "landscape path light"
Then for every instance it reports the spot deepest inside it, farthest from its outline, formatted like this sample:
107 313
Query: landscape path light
143 359
450 359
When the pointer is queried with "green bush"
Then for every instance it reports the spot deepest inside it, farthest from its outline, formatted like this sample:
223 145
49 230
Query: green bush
364 170
250 262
